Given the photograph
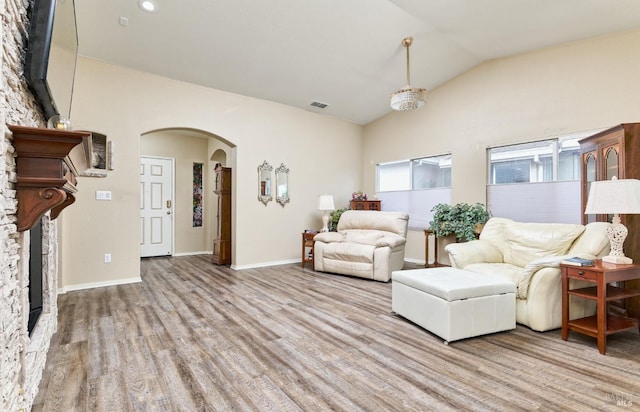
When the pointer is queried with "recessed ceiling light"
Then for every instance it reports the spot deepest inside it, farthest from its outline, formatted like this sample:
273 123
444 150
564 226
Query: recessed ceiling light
150 6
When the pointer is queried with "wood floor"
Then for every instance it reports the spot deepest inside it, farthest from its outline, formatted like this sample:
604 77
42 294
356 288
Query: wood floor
196 337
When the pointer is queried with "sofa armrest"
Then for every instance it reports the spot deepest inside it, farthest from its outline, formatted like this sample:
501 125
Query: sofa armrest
391 240
329 237
475 251
523 281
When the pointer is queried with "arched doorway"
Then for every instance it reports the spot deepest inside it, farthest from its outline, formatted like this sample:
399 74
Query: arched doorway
193 204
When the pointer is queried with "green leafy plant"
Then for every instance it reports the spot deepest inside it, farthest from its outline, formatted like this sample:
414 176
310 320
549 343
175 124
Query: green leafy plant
334 217
461 220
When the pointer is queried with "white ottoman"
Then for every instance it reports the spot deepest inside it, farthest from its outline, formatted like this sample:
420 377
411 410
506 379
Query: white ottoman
453 303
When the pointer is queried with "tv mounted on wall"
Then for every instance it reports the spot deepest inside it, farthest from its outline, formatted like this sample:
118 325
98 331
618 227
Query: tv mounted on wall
51 55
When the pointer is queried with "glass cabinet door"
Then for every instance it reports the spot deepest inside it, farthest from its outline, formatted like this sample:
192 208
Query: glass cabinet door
611 162
589 176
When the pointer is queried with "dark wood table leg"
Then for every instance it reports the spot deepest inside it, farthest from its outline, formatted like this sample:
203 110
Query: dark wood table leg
602 314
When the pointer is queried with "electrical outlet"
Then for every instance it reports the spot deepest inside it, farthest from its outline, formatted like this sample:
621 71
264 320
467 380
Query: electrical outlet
107 258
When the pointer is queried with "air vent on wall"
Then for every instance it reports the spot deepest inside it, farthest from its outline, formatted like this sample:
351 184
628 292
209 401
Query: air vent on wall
319 105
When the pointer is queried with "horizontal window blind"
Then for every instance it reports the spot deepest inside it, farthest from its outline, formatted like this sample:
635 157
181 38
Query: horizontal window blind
548 202
417 203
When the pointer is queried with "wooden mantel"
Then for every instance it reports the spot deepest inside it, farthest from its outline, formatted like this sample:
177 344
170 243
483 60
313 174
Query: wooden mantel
46 177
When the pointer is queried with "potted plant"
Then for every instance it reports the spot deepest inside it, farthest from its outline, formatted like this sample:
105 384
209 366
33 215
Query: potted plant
462 220
334 217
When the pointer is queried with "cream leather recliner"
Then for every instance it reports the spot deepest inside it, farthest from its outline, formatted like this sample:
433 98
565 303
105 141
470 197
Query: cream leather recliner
529 254
367 244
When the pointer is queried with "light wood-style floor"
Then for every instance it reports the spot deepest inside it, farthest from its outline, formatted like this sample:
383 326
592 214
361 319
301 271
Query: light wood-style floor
196 337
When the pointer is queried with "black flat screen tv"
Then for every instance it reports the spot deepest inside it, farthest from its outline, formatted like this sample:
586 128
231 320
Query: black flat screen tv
51 55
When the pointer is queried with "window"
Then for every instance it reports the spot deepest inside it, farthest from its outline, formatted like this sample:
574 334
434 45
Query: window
424 173
543 161
536 181
414 187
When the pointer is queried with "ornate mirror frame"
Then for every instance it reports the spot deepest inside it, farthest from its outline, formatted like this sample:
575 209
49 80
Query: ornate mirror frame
282 185
264 182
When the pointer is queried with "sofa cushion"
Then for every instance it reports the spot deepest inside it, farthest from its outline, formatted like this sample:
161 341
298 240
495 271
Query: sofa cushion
329 237
593 242
504 270
395 222
349 252
525 242
475 251
493 231
365 237
391 240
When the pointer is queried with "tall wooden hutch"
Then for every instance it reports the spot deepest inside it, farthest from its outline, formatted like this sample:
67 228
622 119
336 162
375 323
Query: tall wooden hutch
222 242
614 152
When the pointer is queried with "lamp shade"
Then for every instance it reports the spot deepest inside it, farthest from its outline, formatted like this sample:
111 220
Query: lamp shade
621 196
325 202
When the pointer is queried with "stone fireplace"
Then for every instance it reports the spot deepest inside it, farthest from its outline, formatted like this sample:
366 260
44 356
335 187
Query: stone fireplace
22 357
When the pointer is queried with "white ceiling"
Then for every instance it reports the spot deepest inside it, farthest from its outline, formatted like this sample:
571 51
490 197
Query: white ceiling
345 53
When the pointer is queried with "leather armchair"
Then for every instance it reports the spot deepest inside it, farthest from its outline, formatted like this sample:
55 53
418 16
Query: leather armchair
367 244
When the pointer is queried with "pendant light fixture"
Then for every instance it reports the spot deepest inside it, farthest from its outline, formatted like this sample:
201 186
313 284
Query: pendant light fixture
408 98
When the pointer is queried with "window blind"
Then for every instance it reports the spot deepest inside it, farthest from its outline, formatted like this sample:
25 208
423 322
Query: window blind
417 203
547 202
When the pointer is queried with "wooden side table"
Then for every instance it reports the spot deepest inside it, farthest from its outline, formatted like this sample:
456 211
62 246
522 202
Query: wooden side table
604 323
307 247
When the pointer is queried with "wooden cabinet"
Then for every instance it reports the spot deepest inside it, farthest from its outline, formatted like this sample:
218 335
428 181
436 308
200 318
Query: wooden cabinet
614 152
222 242
365 205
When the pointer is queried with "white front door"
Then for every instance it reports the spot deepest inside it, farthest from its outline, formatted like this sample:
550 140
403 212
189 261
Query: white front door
156 206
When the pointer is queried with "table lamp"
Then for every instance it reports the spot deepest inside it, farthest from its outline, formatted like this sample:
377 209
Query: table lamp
615 196
325 204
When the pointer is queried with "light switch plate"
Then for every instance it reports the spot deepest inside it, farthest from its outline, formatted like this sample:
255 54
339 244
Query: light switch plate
103 195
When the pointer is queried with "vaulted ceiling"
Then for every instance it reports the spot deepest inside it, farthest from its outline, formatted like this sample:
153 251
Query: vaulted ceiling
345 53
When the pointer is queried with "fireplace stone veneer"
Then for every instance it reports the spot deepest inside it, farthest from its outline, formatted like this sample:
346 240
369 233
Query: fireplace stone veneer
22 358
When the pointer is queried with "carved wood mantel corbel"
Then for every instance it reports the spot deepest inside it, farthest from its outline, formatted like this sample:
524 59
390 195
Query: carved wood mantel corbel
46 177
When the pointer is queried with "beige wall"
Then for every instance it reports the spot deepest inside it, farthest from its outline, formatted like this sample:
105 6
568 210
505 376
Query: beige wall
578 86
323 154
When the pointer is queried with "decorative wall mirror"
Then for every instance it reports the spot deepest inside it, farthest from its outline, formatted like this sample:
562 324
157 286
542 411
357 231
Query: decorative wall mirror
282 185
264 182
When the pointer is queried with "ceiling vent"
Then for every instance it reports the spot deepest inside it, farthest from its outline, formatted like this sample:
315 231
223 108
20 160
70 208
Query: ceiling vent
319 105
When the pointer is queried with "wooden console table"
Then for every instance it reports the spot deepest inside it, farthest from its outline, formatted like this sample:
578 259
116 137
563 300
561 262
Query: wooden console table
365 205
604 323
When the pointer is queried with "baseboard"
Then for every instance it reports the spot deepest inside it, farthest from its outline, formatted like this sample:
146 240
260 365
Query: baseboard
204 252
82 286
289 261
415 261
265 264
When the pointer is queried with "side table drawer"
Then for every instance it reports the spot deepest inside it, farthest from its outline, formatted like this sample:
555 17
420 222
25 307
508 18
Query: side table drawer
582 272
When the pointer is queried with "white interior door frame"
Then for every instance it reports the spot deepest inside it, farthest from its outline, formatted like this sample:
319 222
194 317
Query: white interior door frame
164 210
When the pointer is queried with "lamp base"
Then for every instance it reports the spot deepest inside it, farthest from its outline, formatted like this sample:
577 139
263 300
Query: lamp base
618 260
325 221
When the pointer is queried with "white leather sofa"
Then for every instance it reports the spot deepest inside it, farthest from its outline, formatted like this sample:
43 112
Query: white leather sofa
367 244
529 254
